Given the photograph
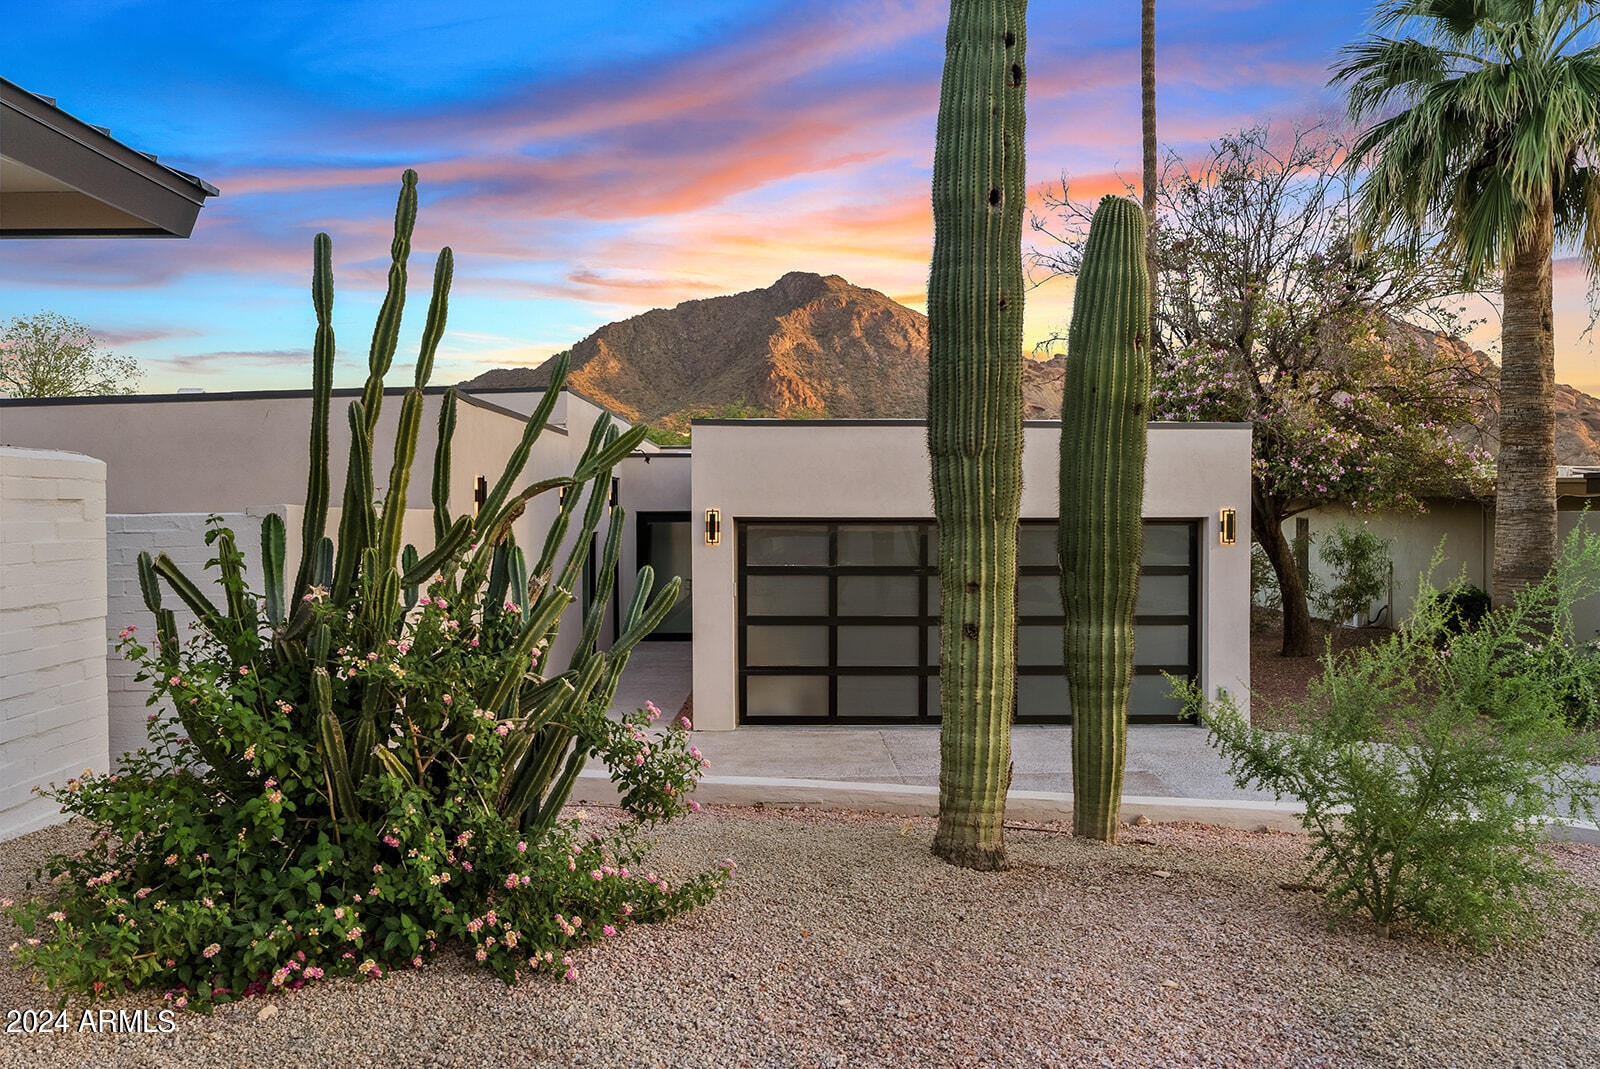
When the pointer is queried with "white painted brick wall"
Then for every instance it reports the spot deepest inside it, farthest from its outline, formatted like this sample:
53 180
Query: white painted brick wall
181 536
53 709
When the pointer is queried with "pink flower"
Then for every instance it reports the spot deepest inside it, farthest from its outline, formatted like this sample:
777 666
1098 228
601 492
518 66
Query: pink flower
572 974
212 951
608 930
244 670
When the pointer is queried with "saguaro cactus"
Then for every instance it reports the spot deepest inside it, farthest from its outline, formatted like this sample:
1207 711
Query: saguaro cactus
975 416
1105 404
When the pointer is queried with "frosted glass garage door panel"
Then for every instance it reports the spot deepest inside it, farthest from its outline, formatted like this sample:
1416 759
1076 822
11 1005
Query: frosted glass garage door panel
1161 644
878 696
1038 595
1163 595
786 696
1039 644
1148 697
883 646
1042 696
880 545
769 545
777 645
1036 546
1166 545
877 595
786 595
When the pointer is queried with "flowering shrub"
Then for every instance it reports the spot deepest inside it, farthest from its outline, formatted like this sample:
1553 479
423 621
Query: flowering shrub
215 889
375 758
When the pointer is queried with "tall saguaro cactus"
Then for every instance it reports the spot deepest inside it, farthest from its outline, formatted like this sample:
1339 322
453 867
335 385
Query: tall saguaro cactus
1105 404
975 415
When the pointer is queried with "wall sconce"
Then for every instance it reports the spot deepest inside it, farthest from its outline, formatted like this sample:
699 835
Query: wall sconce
1228 527
480 493
713 527
615 482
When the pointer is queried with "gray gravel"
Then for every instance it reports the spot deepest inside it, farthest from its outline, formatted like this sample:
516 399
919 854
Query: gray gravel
840 941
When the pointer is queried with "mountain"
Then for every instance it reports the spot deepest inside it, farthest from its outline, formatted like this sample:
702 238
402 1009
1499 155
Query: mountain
815 345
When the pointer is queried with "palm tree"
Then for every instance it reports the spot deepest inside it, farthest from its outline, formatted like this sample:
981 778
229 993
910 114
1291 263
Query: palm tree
1495 147
975 416
1147 98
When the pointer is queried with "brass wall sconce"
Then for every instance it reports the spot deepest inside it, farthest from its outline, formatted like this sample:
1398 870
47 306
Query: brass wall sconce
713 527
1228 529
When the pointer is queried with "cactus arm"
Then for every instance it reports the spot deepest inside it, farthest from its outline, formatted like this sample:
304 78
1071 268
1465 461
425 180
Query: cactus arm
408 564
405 439
272 550
547 612
315 516
530 434
975 298
643 617
341 795
1103 429
149 582
187 592
612 455
386 333
441 465
355 528
605 579
427 566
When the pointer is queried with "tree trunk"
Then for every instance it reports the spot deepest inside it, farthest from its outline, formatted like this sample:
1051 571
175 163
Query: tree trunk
1266 522
1147 94
975 292
1525 537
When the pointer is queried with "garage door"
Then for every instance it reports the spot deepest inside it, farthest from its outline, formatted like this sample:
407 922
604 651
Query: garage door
839 622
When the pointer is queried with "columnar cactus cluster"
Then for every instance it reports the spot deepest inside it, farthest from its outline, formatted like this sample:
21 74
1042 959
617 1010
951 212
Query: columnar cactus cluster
975 294
367 576
1105 406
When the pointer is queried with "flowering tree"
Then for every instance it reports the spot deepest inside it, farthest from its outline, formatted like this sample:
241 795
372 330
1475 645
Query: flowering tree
1270 313
49 355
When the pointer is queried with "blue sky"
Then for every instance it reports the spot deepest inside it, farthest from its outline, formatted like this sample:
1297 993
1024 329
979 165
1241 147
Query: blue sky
589 161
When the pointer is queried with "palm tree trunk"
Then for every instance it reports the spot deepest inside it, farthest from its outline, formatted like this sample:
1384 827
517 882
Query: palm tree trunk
1147 93
1525 536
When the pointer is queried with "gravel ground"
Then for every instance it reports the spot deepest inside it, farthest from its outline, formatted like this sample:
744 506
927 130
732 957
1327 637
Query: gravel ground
840 941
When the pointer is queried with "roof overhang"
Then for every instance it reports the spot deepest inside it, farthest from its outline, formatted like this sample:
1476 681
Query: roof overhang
62 177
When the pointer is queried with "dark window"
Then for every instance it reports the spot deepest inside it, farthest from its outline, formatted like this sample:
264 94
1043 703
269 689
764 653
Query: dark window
840 622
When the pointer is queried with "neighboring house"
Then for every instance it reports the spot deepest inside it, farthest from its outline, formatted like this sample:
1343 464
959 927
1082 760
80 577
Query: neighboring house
1460 530
62 177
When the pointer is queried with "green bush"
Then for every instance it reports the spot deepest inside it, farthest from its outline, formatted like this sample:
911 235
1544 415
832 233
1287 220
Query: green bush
1359 563
1438 826
349 776
1461 607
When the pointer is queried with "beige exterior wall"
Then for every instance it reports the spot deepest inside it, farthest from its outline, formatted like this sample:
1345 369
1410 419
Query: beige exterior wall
767 469
1464 533
52 628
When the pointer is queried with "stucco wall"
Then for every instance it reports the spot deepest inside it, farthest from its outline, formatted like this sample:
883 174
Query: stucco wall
653 482
52 628
820 469
1463 530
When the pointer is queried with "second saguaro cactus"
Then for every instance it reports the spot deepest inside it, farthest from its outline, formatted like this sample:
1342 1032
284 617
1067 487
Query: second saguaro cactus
1105 405
975 416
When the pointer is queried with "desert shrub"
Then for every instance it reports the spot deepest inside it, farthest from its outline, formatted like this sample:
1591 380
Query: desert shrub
1438 826
348 770
1359 564
1460 607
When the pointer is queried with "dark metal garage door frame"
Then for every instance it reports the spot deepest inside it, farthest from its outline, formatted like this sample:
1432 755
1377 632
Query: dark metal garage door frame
926 617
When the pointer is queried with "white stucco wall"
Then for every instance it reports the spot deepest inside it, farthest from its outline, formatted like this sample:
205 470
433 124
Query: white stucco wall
772 469
52 628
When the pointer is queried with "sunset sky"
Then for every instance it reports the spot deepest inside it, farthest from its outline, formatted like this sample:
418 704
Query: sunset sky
590 161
